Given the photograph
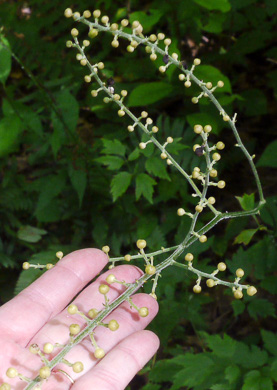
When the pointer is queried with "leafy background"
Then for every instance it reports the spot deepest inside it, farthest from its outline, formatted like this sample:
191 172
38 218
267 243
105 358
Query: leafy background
69 171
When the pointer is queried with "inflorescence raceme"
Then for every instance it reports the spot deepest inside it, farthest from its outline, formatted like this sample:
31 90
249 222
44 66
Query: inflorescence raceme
200 181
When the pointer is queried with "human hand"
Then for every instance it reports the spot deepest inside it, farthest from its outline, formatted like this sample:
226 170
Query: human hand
38 315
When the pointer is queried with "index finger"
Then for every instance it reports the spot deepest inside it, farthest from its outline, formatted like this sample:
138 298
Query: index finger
25 314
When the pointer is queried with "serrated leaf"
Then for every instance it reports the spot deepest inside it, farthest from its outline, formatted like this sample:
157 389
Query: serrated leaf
51 186
78 178
270 341
251 380
113 147
261 308
232 373
112 162
155 166
247 202
120 184
134 155
5 59
221 346
144 186
269 156
30 233
149 93
245 236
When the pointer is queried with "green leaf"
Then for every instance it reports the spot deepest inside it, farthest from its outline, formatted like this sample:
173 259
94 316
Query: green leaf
149 93
144 186
221 5
30 233
78 178
270 341
273 370
119 184
232 373
245 236
247 202
134 155
222 347
51 186
113 147
269 156
148 19
238 307
202 118
5 60
10 129
210 73
252 380
261 308
155 166
112 162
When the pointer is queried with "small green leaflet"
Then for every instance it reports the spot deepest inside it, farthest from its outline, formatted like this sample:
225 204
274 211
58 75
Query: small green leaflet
245 236
149 93
30 233
144 186
155 166
113 147
119 184
247 202
112 162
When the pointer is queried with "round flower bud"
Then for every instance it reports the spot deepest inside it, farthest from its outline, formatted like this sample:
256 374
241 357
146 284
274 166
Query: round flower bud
106 99
197 61
11 372
106 249
76 15
153 38
34 348
238 294
94 93
209 85
113 325
150 269
198 129
86 43
26 265
105 19
155 129
221 184
220 84
207 128
87 79
169 140
72 309
124 22
93 33
149 121
115 43
196 169
163 156
127 257
116 96
142 145
68 44
239 272
130 49
148 49
121 113
153 57
114 27
182 76
141 244
74 329
195 174
198 208
124 92
226 118
78 367
134 44
203 238
213 172
144 114
181 212
96 13
210 283
130 128
221 266
103 289
100 65
216 157
74 32
59 255
174 56
79 56
135 24
44 372
220 145
162 69
187 84
99 353
251 291
92 313
167 41
196 146
68 13
197 289
143 311
161 36
5 386
110 278
189 257
48 348
194 100
169 162
211 200
83 62
87 14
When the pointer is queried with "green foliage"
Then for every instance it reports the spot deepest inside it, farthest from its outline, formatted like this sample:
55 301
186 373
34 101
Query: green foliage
65 157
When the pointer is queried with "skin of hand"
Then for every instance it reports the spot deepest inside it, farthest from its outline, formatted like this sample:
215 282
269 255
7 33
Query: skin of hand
39 315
